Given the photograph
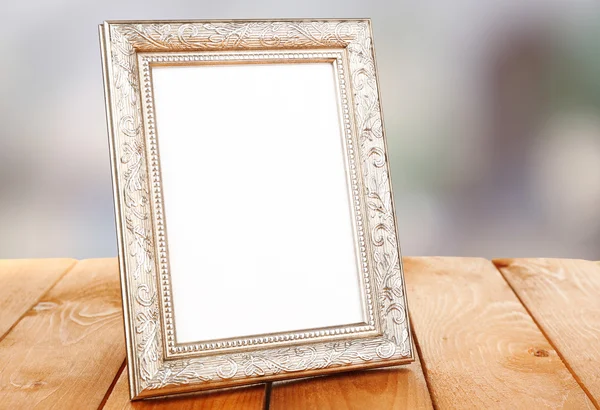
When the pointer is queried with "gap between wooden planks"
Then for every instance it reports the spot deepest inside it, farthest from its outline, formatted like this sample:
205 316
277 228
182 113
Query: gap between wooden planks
401 387
388 388
563 296
250 398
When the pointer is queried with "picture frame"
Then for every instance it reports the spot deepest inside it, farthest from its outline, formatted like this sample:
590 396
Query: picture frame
312 265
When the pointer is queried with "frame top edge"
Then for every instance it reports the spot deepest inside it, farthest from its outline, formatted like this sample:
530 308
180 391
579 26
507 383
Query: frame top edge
265 20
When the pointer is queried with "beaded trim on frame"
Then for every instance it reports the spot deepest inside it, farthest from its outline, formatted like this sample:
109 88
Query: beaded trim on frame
335 57
157 364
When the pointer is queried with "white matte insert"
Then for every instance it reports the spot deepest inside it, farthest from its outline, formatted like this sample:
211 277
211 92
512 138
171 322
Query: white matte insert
256 200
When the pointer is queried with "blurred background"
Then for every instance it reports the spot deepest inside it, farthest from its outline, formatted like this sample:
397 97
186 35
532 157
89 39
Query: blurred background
492 112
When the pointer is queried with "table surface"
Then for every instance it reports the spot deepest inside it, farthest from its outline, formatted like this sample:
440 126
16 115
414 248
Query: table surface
507 333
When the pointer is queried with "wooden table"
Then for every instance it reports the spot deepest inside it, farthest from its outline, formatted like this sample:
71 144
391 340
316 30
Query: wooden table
506 334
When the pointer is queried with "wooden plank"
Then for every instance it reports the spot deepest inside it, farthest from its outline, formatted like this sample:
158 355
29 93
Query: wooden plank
66 351
251 397
387 388
563 296
23 282
479 347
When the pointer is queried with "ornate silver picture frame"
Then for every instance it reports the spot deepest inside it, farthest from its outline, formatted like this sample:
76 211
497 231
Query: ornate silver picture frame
254 209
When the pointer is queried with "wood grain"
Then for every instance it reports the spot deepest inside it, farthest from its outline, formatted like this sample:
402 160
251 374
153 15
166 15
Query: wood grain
23 282
66 351
479 346
241 398
388 388
563 296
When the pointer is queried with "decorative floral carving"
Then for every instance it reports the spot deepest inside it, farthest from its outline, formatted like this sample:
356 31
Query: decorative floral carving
239 35
135 175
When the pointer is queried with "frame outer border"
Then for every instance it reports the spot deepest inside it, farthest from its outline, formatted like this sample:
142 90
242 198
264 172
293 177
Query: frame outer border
136 391
132 366
393 202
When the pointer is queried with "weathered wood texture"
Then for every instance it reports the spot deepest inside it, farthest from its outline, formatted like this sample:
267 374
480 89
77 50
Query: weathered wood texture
478 345
251 398
63 345
563 296
66 351
23 282
391 388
